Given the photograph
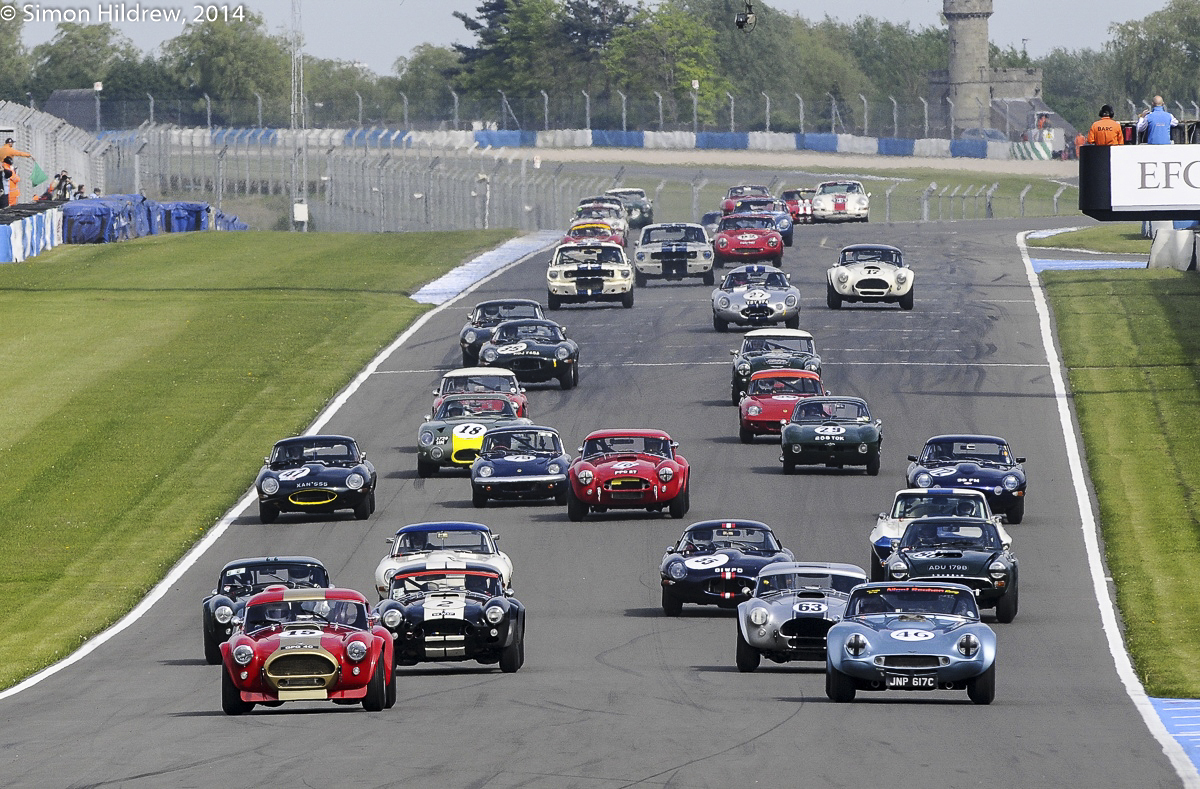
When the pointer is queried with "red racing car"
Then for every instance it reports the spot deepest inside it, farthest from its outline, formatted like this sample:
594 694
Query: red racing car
307 645
746 238
591 230
628 469
771 397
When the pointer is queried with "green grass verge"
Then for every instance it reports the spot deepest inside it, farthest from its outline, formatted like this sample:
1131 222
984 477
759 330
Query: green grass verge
143 383
1122 238
1130 342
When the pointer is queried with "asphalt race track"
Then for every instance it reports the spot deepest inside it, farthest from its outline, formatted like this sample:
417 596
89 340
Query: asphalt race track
614 694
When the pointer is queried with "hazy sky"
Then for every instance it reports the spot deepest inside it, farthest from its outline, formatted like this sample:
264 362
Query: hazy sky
376 32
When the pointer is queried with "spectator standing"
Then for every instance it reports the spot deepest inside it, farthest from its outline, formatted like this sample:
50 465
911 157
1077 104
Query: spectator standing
62 190
6 172
79 193
9 150
1157 123
96 192
1106 131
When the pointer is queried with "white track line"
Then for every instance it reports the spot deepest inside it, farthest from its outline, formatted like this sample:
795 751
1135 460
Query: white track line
1108 616
198 550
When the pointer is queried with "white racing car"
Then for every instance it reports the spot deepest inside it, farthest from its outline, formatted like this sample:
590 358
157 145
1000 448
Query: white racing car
870 273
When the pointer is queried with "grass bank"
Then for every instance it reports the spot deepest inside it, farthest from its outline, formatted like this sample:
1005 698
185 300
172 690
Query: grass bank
1130 342
144 380
1120 238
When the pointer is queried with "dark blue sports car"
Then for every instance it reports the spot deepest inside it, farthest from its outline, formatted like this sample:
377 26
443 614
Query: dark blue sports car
319 474
716 562
984 463
536 350
520 462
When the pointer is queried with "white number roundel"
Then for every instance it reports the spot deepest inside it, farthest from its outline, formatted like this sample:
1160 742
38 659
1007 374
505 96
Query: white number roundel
911 635
706 562
944 471
624 465
470 430
758 294
516 347
294 473
785 397
810 607
830 430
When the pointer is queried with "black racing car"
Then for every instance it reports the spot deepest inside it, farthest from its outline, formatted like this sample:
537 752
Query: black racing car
319 474
243 578
483 319
452 611
985 463
535 349
967 551
716 562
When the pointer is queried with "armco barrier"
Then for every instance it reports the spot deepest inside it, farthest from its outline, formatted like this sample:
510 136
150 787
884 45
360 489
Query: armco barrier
998 150
616 139
968 149
848 143
725 141
669 140
506 139
896 146
565 138
771 141
27 229
441 139
932 147
824 143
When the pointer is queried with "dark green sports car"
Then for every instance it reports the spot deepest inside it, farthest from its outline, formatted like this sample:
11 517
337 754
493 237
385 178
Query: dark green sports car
835 431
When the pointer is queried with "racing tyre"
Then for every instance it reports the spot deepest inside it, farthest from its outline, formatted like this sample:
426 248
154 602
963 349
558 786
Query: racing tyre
906 301
469 360
833 299
671 605
878 573
568 378
479 498
376 698
389 690
1006 607
735 395
362 510
792 322
679 505
789 465
231 697
627 300
873 464
553 301
746 436
777 261
561 497
748 657
639 279
267 513
709 278
719 324
212 649
425 469
1017 513
575 373
982 689
576 509
512 656
838 687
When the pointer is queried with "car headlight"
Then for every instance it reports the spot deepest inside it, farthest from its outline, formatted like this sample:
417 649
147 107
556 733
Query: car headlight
706 254
470 337
759 615
486 471
356 650
723 302
784 224
554 468
490 355
677 571
666 474
223 614
998 569
585 477
641 256
924 479
392 618
843 277
562 353
753 410
862 449
772 242
743 368
856 644
355 481
243 654
426 438
270 486
968 645
1011 482
635 212
901 278
862 202
790 300
552 274
722 242
493 614
898 570
389 574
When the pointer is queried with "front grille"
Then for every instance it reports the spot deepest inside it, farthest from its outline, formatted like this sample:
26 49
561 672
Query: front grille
968 581
589 283
756 311
466 455
675 268
806 627
673 255
591 274
627 484
527 364
727 588
313 496
872 286
445 627
911 661
305 664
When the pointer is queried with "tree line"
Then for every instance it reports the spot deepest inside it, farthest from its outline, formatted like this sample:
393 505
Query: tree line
603 48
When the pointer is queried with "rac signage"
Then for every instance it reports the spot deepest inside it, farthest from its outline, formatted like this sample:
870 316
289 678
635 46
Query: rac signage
1125 182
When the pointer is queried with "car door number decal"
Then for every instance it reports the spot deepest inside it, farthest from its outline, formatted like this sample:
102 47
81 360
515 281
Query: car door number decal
706 562
809 607
911 635
470 430
294 473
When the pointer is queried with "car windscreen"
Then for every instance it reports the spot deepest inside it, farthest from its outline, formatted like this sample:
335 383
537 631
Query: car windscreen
745 538
491 314
429 581
522 441
959 451
315 451
746 223
639 445
840 188
891 256
467 540
672 235
542 332
919 505
806 580
466 384
244 579
780 385
912 600
575 256
490 407
759 279
754 345
831 411
319 612
976 536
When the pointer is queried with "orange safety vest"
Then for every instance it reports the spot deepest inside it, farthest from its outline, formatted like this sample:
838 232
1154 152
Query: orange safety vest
1106 131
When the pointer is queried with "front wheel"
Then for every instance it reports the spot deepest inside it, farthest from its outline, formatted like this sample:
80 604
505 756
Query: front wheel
479 498
679 505
1006 607
982 689
906 301
553 301
568 378
639 279
468 359
512 657
364 508
376 698
267 513
745 435
789 465
878 573
873 464
792 322
425 468
212 649
389 690
719 324
709 278
1017 513
576 508
231 697
747 657
838 686
833 299
671 605
627 299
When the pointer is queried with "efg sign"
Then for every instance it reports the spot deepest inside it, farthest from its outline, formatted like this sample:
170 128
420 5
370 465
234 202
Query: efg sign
1139 182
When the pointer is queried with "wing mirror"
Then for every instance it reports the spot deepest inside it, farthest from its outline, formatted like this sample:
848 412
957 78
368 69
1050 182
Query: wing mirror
912 458
732 352
508 591
390 540
1020 460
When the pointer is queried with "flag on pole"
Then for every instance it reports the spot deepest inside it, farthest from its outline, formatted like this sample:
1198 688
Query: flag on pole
38 176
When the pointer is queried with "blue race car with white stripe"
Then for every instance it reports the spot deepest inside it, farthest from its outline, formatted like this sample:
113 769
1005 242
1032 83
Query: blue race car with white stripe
520 462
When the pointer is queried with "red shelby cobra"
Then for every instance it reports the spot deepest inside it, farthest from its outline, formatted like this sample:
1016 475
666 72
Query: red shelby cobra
746 238
591 230
628 469
307 645
770 398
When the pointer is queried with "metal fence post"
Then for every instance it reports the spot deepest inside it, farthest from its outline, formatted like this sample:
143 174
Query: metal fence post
1024 192
801 101
929 190
1058 194
887 202
988 211
768 110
